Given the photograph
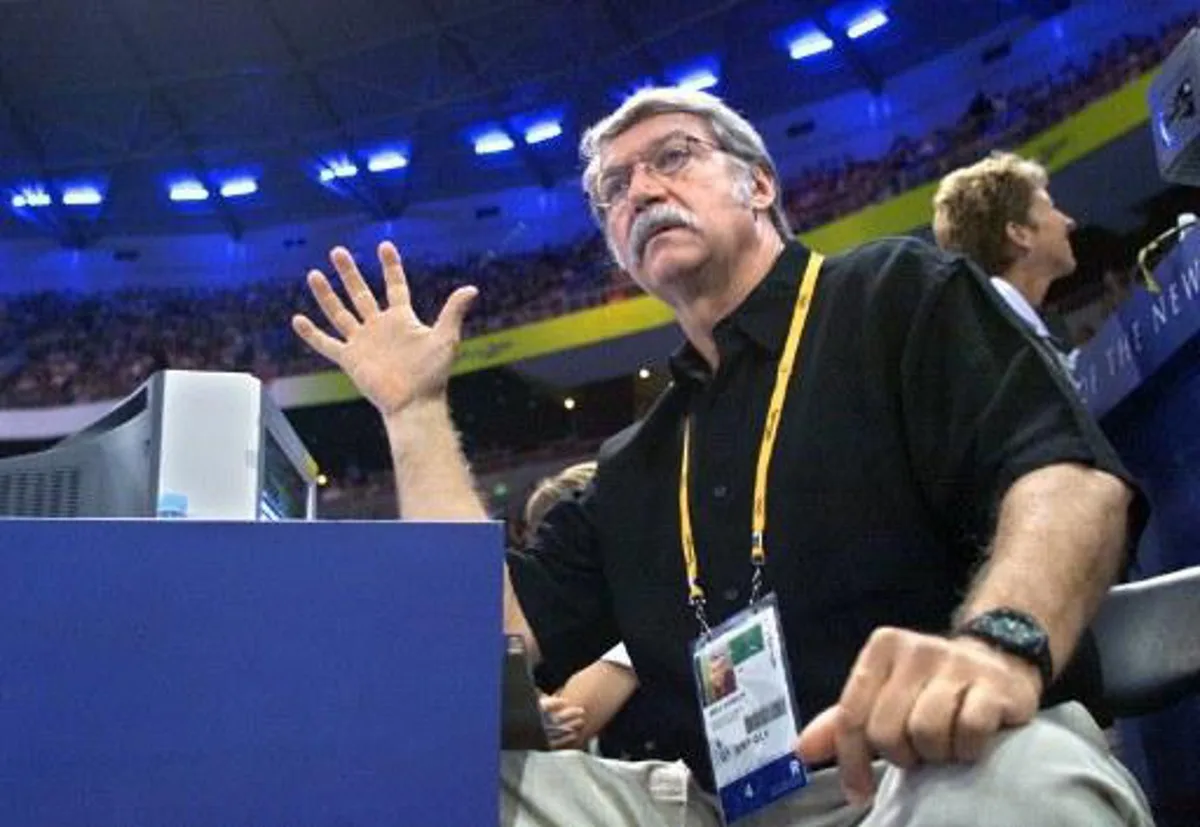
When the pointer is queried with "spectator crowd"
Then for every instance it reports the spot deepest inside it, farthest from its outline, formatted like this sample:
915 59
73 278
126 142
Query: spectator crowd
61 348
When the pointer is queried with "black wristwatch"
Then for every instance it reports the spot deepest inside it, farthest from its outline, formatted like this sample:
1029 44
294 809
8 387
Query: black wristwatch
1016 633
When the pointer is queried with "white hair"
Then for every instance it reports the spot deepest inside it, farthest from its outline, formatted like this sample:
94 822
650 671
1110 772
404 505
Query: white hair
733 134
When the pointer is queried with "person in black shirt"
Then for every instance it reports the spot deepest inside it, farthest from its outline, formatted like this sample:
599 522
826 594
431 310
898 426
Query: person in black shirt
943 518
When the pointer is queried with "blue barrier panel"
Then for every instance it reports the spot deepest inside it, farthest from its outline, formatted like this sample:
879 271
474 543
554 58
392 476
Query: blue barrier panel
1140 376
179 673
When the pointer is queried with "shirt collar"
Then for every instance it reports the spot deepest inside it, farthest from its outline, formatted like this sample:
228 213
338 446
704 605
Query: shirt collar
762 318
1021 306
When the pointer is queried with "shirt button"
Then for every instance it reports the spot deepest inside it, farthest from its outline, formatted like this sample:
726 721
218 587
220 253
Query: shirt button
730 595
720 491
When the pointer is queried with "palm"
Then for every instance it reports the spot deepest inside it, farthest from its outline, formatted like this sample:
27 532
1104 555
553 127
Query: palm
390 355
394 358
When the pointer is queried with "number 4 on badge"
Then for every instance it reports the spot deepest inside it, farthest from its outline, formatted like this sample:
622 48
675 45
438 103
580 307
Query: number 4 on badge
748 791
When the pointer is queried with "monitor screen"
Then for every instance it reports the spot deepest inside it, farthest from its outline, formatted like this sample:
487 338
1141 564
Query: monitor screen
284 494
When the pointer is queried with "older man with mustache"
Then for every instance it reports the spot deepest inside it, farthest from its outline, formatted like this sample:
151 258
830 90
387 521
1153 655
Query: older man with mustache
863 469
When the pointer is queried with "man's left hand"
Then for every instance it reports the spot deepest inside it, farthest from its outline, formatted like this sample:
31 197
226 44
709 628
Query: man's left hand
915 698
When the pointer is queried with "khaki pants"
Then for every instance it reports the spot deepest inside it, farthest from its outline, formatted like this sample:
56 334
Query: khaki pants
1055 771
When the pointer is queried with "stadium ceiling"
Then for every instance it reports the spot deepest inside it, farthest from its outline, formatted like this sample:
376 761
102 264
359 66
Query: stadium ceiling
129 98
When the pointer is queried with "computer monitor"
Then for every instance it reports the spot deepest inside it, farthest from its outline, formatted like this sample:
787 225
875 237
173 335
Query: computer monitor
185 444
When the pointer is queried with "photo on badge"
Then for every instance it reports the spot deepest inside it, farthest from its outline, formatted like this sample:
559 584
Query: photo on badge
720 680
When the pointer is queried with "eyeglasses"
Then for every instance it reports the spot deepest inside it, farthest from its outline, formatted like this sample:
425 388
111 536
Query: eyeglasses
666 159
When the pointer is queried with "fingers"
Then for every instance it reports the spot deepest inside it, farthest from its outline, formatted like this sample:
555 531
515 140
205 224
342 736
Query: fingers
393 275
551 704
564 721
888 724
356 287
817 742
450 320
979 717
570 718
564 715
854 765
868 677
317 339
566 739
934 719
337 314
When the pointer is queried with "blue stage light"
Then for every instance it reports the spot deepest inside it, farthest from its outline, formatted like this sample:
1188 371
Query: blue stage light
489 143
31 197
867 23
339 168
188 191
238 187
806 45
82 196
543 131
386 160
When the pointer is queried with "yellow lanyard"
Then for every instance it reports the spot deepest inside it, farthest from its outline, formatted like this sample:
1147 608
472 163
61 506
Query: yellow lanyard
758 520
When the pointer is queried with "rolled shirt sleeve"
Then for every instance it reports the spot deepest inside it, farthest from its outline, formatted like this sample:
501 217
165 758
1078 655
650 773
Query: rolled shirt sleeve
984 405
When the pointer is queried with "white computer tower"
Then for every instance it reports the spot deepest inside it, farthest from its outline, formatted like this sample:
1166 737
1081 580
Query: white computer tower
186 444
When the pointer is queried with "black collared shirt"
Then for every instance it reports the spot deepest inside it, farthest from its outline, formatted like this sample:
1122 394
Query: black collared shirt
917 399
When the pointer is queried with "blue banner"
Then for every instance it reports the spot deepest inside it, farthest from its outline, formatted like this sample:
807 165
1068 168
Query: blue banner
1144 332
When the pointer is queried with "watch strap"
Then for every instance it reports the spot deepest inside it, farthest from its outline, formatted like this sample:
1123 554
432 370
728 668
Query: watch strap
1016 633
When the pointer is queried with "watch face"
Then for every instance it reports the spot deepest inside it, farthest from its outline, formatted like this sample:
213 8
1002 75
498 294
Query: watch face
1016 633
1017 630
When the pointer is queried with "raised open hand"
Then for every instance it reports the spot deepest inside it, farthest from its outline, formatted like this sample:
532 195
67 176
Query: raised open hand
391 356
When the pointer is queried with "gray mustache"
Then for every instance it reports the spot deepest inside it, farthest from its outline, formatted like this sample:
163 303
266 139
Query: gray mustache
656 218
